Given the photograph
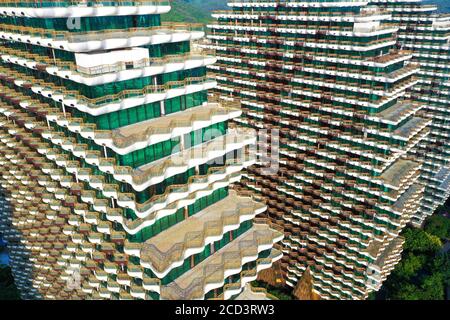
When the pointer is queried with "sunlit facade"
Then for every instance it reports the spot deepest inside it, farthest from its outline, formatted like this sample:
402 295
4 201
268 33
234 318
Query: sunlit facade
329 78
427 35
116 170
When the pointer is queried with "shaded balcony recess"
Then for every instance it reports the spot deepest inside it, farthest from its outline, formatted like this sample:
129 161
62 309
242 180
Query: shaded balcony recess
443 176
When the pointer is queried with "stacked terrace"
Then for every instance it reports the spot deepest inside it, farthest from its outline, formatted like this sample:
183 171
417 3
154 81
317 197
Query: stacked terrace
427 35
116 169
328 76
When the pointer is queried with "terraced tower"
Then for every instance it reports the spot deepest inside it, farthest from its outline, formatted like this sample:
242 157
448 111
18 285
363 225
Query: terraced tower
116 170
427 35
328 76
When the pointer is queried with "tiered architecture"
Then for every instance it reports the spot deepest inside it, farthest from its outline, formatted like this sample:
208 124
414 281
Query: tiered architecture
427 35
116 170
328 76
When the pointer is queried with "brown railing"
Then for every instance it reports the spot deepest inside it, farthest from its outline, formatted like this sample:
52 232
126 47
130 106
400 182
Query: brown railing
214 227
213 273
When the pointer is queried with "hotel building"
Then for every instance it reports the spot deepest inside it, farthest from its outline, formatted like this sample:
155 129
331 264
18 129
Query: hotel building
427 35
327 80
116 170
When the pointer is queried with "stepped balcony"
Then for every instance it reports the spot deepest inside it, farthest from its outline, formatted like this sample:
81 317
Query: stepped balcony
304 28
194 234
160 170
396 114
394 56
310 42
301 14
407 204
134 226
103 39
89 8
411 129
110 103
185 159
387 255
133 137
212 272
327 70
179 196
93 70
162 166
138 136
400 175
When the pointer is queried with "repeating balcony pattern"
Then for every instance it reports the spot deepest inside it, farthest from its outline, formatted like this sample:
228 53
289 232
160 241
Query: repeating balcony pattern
329 80
427 35
117 171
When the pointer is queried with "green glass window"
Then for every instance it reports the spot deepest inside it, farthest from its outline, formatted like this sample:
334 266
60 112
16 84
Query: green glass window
86 24
149 154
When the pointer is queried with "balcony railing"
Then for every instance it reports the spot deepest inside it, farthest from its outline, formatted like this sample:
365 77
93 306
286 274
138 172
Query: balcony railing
192 233
101 34
80 3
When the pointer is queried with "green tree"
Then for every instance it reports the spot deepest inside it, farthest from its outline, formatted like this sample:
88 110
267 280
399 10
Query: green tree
439 226
410 265
432 287
8 290
418 240
408 292
424 271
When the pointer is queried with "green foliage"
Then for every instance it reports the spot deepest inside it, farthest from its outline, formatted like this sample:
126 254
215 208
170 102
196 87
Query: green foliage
424 271
408 291
410 265
209 5
8 290
420 241
439 226
282 293
433 287
193 11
